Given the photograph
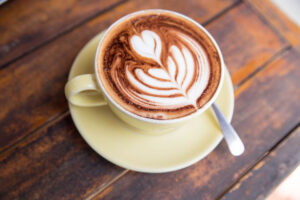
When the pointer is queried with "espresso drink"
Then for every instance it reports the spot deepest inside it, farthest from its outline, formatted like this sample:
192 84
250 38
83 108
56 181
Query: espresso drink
158 65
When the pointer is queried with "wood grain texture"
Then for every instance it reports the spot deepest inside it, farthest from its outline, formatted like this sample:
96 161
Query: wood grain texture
24 25
32 87
266 109
245 40
55 163
278 20
269 172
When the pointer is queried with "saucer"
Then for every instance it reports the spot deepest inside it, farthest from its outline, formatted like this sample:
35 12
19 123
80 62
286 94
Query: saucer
132 149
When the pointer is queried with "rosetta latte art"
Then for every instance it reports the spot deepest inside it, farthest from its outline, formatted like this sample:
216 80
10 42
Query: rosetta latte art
177 83
159 66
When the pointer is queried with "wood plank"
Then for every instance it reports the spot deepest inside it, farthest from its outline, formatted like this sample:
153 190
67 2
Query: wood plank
24 25
32 87
269 172
266 109
55 163
245 40
279 20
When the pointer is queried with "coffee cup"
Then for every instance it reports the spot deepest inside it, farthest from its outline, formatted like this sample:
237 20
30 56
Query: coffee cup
133 71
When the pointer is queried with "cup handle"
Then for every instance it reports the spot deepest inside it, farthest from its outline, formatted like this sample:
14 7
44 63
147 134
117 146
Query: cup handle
83 91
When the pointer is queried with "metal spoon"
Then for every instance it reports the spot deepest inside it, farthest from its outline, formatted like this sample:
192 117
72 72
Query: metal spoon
234 143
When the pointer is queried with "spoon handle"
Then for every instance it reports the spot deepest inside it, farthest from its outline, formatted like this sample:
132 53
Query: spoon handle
232 139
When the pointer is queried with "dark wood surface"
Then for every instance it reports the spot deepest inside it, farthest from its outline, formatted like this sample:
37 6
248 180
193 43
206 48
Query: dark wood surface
26 25
42 155
269 172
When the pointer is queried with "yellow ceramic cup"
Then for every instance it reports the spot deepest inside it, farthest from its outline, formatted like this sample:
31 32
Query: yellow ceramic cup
86 90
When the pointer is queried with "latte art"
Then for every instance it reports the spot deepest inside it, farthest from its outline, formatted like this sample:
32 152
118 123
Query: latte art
176 83
159 66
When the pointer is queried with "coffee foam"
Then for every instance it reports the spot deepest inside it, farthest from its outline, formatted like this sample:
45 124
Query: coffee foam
159 66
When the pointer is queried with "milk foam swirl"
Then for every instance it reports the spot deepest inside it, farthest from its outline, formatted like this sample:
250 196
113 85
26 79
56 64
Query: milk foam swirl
159 66
178 82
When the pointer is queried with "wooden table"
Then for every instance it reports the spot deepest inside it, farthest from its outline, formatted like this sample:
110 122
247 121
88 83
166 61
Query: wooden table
42 155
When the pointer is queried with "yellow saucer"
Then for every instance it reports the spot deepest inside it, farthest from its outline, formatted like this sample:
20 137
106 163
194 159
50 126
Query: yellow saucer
131 149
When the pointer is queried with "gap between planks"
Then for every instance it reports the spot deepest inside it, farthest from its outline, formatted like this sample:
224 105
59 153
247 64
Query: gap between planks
52 120
264 156
264 19
221 13
264 65
277 12
102 187
50 39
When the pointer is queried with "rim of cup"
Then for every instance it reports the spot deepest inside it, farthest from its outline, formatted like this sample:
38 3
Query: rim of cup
150 120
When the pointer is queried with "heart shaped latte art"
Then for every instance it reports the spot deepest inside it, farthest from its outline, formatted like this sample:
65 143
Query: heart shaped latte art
178 81
159 66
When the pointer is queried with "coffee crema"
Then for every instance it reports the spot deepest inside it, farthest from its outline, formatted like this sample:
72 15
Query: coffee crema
159 65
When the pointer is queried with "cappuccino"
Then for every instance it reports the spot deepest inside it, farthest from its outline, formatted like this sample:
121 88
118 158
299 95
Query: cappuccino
158 65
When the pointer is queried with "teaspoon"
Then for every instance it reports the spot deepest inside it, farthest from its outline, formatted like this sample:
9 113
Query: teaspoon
234 143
